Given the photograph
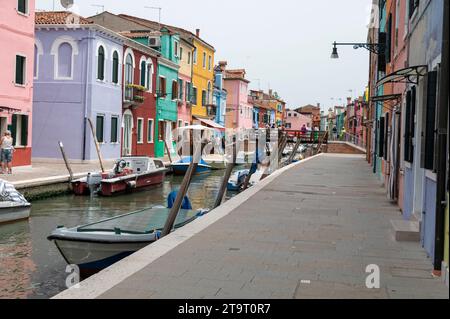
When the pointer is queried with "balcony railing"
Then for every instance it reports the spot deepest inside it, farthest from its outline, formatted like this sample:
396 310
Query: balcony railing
134 94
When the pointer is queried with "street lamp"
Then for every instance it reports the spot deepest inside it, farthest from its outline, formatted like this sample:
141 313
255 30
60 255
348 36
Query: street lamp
376 48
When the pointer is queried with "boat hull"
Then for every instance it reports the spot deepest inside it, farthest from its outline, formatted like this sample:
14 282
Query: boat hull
181 169
14 212
131 183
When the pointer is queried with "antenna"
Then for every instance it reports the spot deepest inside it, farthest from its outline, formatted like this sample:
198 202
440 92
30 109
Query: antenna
99 6
159 13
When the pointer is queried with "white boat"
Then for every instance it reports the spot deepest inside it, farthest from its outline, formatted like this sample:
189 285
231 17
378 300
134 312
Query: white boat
237 179
98 245
13 205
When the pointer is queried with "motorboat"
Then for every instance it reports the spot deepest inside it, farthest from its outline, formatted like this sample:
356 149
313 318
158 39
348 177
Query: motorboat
237 180
128 174
180 167
13 205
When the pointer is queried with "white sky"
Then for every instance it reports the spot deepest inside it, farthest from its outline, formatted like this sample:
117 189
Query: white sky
284 43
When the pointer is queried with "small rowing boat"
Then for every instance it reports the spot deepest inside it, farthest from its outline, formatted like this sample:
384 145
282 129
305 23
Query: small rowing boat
13 205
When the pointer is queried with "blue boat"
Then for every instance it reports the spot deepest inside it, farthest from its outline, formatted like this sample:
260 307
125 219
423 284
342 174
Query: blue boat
237 180
181 167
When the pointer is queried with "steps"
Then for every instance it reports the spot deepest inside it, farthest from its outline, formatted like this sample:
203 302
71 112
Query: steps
406 230
342 148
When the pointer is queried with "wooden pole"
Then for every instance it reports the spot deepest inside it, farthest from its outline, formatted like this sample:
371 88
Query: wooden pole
96 145
168 151
61 147
183 190
249 176
294 151
226 177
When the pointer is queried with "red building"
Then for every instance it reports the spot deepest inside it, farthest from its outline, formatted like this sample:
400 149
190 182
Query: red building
139 99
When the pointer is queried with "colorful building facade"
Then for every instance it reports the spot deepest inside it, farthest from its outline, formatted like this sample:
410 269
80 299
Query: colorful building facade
17 55
295 121
239 114
78 77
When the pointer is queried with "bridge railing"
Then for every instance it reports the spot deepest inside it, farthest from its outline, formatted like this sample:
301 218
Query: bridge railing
308 137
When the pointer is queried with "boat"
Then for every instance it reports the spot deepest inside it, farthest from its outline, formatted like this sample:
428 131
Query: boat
181 167
98 245
13 205
129 173
237 180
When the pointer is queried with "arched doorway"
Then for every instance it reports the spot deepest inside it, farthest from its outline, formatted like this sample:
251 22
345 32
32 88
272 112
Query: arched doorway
127 133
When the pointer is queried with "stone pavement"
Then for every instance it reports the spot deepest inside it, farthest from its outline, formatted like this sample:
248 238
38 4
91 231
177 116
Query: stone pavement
310 233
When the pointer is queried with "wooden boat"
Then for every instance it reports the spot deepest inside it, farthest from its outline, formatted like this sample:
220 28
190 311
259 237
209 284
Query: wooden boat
237 180
13 205
98 245
129 173
181 167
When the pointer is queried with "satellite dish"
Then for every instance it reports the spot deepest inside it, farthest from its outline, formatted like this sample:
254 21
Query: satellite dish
67 3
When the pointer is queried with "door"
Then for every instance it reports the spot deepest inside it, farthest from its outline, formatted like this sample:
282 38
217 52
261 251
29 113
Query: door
127 134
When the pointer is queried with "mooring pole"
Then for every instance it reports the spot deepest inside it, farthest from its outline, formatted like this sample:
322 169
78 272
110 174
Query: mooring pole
249 176
294 151
61 147
96 145
168 151
183 190
226 177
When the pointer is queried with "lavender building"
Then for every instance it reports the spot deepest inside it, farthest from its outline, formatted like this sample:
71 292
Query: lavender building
78 76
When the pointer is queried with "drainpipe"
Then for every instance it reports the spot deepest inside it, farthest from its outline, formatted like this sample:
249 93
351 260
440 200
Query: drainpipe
86 88
442 155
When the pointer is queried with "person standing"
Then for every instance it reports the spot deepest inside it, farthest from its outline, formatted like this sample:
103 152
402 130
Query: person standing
7 150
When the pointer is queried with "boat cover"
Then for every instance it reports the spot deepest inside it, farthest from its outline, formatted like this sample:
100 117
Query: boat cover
188 160
9 193
141 222
171 200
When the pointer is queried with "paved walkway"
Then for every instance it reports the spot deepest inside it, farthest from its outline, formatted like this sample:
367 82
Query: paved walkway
310 233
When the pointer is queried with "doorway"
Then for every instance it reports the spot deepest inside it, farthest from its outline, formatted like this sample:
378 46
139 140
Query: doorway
127 133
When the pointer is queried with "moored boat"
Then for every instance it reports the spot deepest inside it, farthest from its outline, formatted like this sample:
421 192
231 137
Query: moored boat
13 205
181 167
129 173
237 180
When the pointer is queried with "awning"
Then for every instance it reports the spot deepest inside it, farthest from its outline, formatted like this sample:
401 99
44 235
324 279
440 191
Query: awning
393 99
9 109
211 123
407 75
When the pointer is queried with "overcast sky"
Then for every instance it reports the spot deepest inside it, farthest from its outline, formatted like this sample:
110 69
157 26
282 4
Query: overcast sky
284 44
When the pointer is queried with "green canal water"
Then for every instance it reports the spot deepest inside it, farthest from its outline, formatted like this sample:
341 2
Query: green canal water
32 267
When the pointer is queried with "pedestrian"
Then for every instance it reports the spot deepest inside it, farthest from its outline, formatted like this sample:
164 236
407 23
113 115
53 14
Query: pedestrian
7 150
304 129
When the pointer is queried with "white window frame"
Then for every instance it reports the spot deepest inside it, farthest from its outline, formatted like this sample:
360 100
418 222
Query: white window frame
176 48
149 73
176 96
119 71
143 59
140 135
133 60
24 70
204 60
40 51
96 128
209 62
180 123
100 44
117 129
55 52
27 8
152 133
195 56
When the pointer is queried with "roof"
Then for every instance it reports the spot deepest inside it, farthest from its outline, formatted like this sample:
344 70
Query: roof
59 17
157 26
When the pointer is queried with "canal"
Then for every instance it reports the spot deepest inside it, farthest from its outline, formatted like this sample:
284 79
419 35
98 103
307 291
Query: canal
32 267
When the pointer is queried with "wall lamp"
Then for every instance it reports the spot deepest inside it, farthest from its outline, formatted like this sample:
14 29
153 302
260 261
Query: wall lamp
376 48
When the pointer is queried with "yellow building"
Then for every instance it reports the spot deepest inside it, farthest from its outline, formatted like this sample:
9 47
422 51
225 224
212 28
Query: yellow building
278 106
202 77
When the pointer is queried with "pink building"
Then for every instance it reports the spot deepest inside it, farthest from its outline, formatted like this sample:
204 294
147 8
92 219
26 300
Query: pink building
295 121
239 113
17 57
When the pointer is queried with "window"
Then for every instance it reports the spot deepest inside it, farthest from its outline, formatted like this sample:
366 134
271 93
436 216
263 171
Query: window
209 63
180 89
204 60
181 54
20 70
409 125
150 130
413 5
203 97
195 56
19 129
428 159
114 129
389 39
174 90
176 49
101 64
189 58
194 95
140 130
36 62
180 123
187 95
22 6
99 128
149 76
397 22
65 61
161 130
144 71
129 68
208 96
115 68
162 86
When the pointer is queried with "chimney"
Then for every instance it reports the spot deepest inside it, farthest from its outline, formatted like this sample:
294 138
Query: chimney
197 33
222 65
318 105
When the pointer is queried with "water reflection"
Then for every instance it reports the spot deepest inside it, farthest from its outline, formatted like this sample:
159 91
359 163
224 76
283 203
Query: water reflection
32 267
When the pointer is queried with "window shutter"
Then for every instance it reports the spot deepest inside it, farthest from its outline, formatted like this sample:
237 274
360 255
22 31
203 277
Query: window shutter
407 127
24 130
20 65
430 120
381 137
389 39
14 128
386 135
382 54
412 123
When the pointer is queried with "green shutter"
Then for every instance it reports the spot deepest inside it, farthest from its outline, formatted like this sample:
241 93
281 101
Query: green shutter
24 130
21 6
381 137
14 127
20 66
115 68
143 71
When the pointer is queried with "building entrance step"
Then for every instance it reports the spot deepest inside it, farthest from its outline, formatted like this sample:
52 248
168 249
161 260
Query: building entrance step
406 230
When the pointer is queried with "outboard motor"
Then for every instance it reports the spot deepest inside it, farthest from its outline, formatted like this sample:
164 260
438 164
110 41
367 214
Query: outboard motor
120 166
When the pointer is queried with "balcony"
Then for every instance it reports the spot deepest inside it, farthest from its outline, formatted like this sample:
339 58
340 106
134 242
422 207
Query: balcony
133 95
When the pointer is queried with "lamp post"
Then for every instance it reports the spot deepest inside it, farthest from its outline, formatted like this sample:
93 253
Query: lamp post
376 48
